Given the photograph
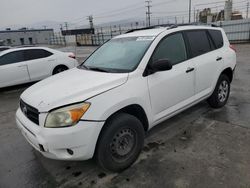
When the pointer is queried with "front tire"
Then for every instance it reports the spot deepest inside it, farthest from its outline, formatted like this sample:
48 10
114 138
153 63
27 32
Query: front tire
120 142
221 93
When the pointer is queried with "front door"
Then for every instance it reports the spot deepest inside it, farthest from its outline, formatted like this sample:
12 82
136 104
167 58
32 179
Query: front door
13 69
171 90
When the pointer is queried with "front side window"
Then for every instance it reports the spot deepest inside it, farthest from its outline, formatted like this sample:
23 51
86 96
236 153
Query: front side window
12 57
198 41
118 55
171 48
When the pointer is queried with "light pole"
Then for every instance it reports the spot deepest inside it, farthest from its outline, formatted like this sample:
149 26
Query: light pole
189 11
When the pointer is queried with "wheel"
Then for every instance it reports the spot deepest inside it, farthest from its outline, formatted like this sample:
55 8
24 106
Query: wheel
221 93
59 69
120 142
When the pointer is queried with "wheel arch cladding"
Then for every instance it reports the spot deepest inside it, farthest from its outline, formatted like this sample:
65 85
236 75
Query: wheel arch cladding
228 72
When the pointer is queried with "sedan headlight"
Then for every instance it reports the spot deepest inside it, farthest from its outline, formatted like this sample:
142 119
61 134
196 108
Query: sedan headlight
66 116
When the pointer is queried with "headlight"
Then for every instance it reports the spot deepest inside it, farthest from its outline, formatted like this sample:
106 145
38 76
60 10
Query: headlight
66 116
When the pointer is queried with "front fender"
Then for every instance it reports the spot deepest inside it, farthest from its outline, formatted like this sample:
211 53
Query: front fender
106 104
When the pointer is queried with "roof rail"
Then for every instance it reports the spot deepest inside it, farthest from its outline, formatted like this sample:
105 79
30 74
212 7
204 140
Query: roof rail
171 26
151 27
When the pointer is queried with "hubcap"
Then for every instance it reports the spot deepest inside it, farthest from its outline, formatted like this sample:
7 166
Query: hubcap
122 143
223 91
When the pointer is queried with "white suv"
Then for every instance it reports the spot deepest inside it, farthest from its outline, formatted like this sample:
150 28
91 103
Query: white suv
133 82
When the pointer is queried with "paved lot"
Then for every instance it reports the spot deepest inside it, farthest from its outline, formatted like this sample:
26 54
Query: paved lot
200 147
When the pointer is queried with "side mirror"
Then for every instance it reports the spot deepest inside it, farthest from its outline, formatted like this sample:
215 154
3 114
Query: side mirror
161 65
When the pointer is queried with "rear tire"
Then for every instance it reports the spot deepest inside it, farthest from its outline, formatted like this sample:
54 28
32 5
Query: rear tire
221 92
120 142
59 69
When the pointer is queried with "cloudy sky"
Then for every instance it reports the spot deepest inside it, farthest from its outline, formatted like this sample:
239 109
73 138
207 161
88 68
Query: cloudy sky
26 12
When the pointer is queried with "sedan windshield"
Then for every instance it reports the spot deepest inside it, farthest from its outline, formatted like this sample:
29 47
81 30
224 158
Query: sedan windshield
118 55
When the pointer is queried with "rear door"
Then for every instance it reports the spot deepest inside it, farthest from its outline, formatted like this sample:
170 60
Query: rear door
39 63
13 69
207 60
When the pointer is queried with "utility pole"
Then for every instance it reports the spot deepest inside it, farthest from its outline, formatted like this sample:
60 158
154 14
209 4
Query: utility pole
197 16
247 9
194 14
189 11
61 27
91 24
66 25
148 13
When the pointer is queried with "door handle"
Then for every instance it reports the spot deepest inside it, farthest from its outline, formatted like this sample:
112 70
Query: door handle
51 60
219 58
189 69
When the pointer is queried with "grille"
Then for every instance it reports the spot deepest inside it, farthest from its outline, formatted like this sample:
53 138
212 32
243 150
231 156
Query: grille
30 112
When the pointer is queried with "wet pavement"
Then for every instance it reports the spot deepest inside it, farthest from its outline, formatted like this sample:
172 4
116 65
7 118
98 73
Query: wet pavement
201 147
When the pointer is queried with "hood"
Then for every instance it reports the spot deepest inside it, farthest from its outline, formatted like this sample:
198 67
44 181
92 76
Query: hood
69 87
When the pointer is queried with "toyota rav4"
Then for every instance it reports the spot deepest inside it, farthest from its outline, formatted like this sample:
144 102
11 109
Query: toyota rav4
103 108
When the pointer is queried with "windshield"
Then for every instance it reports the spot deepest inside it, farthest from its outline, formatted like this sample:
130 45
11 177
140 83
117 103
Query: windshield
118 55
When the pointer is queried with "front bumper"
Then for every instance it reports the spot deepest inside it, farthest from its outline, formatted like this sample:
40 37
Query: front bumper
56 142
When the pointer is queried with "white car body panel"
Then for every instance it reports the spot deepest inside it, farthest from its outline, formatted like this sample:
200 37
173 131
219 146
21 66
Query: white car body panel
33 70
65 87
110 92
14 74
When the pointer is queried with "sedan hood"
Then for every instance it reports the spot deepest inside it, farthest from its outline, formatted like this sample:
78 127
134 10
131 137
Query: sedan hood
69 87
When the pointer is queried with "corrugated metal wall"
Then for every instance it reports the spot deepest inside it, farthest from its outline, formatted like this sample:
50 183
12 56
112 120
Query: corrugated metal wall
236 30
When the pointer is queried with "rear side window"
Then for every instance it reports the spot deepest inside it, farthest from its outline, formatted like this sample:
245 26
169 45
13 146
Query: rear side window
199 42
36 54
217 38
171 48
12 57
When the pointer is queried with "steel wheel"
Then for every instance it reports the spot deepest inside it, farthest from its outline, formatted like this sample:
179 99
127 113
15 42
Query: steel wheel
223 91
123 144
120 142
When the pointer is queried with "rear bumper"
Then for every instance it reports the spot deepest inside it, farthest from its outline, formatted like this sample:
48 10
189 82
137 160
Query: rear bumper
55 142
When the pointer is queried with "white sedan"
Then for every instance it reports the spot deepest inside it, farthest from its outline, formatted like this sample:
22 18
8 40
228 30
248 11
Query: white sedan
29 64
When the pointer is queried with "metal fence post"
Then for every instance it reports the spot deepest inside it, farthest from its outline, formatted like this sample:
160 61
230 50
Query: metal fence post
111 34
102 35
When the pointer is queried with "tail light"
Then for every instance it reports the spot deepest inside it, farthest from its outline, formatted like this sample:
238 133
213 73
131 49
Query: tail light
233 47
72 55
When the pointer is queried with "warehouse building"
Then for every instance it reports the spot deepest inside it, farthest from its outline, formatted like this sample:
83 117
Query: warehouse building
26 36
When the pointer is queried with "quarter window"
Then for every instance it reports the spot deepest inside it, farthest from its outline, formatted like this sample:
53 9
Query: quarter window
217 38
199 43
12 57
171 48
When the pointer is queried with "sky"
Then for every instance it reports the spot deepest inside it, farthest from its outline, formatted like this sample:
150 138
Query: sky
75 12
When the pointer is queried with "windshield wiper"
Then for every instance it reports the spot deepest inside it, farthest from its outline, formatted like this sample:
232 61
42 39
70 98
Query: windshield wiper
85 67
97 69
